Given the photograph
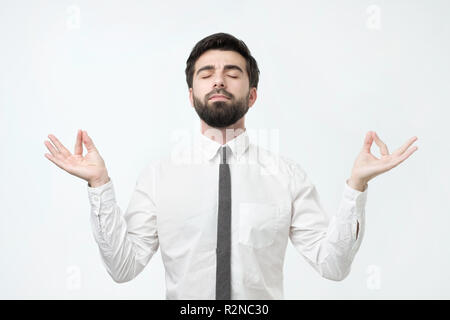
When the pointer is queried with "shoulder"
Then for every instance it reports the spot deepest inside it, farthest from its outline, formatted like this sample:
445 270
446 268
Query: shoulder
285 165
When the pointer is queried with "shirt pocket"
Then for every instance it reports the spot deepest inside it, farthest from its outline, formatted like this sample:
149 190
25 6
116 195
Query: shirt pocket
258 223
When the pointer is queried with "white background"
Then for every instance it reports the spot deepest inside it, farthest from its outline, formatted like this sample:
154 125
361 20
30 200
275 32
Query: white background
330 72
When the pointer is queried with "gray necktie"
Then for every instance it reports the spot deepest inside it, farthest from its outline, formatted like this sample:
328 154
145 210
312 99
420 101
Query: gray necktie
223 251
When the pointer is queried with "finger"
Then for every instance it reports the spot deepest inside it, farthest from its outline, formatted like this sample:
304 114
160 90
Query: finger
368 141
383 147
78 144
405 155
89 144
54 160
59 145
403 148
51 148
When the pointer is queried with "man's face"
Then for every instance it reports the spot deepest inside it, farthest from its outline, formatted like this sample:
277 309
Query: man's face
223 73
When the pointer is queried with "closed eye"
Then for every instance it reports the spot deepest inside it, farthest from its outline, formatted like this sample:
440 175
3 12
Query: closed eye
229 76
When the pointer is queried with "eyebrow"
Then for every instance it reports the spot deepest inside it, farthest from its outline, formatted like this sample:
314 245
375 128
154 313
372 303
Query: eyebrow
226 67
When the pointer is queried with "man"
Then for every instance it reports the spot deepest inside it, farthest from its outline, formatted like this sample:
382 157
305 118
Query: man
223 214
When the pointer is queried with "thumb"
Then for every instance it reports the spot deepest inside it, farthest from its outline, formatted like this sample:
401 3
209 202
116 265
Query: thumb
88 143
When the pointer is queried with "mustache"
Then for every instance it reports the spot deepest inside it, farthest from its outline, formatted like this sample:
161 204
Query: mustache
221 92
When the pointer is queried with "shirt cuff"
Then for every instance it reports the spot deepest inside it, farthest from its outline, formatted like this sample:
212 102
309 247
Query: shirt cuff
101 196
357 197
352 194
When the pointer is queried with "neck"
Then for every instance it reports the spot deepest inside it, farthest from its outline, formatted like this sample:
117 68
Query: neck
225 134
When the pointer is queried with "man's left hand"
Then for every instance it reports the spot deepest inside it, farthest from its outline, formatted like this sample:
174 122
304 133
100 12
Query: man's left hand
367 166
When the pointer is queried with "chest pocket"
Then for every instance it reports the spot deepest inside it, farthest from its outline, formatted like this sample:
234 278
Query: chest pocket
259 223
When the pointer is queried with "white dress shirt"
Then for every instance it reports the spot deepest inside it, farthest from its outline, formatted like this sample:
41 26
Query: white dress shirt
174 206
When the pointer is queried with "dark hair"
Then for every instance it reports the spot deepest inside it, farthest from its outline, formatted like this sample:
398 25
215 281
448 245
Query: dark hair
222 41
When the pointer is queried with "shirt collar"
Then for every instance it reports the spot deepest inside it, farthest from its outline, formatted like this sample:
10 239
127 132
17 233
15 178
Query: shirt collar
210 148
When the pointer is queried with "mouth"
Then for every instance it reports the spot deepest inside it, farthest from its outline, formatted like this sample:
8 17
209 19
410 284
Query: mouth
219 97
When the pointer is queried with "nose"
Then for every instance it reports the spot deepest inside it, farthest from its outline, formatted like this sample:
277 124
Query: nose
219 82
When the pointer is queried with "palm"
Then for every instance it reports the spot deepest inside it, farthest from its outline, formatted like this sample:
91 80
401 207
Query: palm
86 167
367 166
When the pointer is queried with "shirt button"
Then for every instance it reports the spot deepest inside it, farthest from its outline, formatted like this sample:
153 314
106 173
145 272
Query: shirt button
95 198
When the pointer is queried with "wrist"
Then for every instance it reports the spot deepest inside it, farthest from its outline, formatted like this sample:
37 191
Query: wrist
97 182
357 184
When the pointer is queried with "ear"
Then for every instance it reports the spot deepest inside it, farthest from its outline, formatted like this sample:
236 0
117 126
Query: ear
191 97
252 97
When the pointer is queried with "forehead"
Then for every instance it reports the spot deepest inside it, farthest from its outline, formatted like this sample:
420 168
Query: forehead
219 58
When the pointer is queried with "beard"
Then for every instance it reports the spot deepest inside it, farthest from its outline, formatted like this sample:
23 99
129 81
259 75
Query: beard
220 113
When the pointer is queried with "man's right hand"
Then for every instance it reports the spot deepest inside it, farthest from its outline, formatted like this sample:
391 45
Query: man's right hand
91 167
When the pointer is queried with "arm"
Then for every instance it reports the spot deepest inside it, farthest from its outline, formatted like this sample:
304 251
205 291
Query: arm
359 186
328 245
126 242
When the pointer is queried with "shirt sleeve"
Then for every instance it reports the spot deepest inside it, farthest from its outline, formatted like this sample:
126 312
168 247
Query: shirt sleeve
126 241
328 244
